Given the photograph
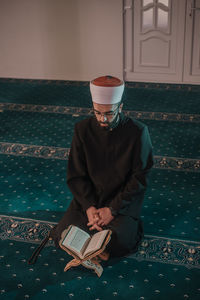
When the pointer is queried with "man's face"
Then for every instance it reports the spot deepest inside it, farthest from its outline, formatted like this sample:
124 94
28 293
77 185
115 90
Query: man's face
105 113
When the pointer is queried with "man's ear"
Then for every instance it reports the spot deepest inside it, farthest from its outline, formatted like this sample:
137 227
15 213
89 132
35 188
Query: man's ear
120 107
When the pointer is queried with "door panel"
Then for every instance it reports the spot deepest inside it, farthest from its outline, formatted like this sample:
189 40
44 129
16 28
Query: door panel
152 39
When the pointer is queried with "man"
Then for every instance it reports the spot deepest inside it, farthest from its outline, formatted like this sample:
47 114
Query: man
108 164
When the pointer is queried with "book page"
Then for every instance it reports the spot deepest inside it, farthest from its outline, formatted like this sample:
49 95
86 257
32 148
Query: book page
96 242
75 239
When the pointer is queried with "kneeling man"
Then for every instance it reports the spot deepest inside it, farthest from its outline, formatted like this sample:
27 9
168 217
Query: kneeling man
109 162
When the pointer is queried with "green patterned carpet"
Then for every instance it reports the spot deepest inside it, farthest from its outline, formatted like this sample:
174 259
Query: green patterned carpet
36 128
122 279
160 97
177 139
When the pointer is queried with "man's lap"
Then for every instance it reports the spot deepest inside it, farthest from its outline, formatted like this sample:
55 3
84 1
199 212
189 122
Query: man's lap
126 231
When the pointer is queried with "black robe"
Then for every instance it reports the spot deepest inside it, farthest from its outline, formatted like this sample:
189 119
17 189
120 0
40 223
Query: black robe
109 168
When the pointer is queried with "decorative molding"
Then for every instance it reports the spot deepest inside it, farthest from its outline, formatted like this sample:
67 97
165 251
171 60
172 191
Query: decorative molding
23 230
34 151
83 111
156 249
163 116
48 152
47 109
176 163
169 251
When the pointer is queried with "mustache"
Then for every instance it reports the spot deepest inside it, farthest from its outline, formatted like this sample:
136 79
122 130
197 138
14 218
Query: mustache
104 123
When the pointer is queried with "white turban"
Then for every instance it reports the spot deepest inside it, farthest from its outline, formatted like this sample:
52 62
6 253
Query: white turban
106 90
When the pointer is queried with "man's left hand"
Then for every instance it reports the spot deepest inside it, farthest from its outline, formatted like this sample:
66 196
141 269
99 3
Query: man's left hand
93 218
105 216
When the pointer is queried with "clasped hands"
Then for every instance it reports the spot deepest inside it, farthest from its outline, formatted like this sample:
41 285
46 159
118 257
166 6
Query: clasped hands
98 217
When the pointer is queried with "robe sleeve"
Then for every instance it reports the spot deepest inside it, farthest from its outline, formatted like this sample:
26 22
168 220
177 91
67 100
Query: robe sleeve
78 179
137 182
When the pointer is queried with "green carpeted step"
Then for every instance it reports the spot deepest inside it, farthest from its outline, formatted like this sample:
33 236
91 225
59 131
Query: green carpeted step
176 139
124 278
36 188
167 99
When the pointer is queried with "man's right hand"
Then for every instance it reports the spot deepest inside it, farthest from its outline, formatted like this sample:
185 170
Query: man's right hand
93 218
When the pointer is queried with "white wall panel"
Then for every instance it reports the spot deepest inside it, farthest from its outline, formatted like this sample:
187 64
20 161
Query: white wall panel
62 39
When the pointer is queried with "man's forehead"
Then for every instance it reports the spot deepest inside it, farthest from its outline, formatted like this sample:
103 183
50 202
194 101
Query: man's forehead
104 107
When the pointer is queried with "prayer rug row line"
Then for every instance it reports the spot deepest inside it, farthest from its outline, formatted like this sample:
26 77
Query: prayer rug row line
47 152
153 248
146 85
78 111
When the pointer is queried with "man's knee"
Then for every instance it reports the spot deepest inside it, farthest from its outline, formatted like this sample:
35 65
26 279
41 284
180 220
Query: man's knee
125 236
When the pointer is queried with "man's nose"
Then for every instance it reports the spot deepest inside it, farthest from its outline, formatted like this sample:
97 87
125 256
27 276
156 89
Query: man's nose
103 118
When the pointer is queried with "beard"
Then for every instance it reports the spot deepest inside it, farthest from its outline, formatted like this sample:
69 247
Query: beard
110 125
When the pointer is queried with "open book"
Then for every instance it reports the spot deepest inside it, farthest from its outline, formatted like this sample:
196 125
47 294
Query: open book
81 243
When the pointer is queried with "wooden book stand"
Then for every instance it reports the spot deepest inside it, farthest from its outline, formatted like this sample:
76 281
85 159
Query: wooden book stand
91 261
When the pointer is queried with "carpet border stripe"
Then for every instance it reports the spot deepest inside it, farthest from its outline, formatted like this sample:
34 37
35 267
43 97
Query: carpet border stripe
152 248
84 111
49 152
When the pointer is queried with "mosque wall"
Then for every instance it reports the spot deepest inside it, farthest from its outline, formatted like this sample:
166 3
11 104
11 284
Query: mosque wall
62 39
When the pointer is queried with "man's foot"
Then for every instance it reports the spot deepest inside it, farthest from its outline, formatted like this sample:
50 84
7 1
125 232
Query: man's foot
104 255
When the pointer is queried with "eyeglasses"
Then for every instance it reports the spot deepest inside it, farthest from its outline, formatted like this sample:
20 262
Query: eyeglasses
106 114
